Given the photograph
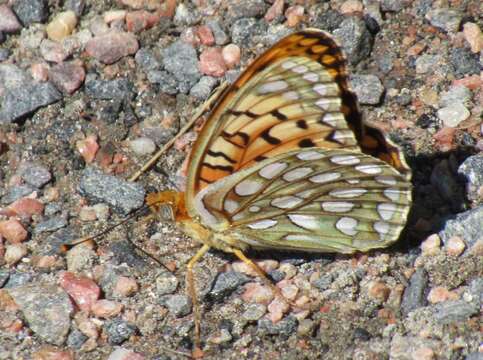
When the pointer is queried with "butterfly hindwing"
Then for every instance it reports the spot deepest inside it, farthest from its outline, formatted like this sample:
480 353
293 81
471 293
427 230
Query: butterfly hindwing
313 200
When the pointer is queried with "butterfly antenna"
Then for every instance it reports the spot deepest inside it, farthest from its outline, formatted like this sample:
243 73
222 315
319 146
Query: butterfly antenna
201 110
90 238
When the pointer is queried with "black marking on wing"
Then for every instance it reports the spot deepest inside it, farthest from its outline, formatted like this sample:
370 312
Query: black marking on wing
304 143
239 113
265 135
221 154
302 124
227 168
260 158
277 114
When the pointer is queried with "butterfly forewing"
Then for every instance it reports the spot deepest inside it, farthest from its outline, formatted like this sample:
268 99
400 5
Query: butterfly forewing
312 200
295 95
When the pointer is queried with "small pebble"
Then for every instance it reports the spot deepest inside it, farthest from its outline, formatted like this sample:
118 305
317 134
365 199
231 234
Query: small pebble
142 146
431 245
256 293
14 253
288 269
125 354
80 258
473 36
179 305
212 63
114 15
13 231
277 308
62 25
294 15
205 35
378 291
48 352
9 23
52 51
88 148
125 286
447 19
231 55
26 207
83 290
106 308
67 76
453 114
112 46
439 294
166 283
254 312
137 21
265 265
351 6
40 71
455 246
118 331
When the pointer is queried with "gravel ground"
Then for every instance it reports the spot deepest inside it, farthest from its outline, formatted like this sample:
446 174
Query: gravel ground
90 89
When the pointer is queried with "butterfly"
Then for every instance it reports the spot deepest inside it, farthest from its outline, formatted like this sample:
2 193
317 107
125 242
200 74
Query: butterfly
285 162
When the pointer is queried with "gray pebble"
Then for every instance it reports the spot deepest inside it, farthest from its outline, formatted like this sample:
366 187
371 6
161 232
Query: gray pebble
18 278
368 88
467 225
453 311
47 309
76 339
77 6
4 53
246 9
455 94
31 11
118 331
80 258
27 98
181 60
166 81
142 146
109 89
34 174
124 196
186 15
166 283
244 30
52 209
221 38
52 224
415 293
179 305
427 63
447 19
323 282
464 62
146 59
355 39
284 327
204 87
392 5
453 114
254 312
472 170
226 283
17 192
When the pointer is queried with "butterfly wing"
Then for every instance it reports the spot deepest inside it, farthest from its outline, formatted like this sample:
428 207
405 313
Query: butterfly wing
323 200
295 95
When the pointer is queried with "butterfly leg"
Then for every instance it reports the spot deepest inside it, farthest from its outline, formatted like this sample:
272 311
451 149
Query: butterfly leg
190 284
240 255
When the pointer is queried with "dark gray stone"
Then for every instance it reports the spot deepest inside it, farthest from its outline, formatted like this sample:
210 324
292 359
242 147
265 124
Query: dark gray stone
76 339
31 11
472 170
226 283
122 195
25 99
355 39
17 192
328 20
246 9
47 309
178 305
124 252
180 59
244 30
34 174
284 327
53 244
118 331
392 5
464 62
116 89
166 283
146 59
445 181
368 88
467 225
166 81
323 282
453 311
221 38
415 294
51 224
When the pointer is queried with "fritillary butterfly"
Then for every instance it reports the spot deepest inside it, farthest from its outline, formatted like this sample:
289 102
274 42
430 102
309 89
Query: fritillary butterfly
285 162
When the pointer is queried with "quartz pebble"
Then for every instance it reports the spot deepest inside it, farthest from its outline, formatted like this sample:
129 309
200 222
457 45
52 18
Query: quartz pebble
142 146
83 290
431 245
62 25
454 114
14 253
125 286
13 231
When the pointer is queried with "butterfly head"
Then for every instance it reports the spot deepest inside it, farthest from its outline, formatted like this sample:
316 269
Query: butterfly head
168 205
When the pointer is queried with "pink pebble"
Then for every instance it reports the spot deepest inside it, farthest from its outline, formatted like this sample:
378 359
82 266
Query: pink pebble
205 35
26 207
113 46
83 290
13 231
106 308
455 246
137 21
125 286
40 71
88 148
277 308
257 293
212 63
